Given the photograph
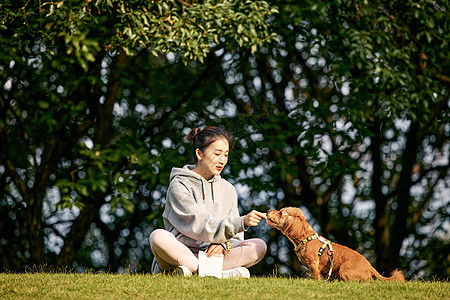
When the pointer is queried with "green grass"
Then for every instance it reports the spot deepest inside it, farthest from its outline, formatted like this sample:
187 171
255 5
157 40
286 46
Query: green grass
139 286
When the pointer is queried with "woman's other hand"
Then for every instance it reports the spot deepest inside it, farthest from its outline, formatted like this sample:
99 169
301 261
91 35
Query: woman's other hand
253 218
214 249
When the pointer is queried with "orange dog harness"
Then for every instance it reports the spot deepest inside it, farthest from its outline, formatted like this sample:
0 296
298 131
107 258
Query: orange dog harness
326 243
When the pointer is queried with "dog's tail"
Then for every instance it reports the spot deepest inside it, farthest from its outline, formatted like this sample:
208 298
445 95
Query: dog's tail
396 275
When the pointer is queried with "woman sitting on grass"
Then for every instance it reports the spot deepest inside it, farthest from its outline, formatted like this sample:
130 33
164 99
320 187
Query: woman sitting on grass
201 214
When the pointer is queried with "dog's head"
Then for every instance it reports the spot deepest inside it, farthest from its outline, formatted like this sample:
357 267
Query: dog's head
290 221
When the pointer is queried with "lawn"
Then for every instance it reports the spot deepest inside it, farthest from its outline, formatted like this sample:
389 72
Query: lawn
140 286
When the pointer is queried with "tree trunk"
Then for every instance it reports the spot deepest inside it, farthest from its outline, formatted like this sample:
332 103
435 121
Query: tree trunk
34 227
380 222
75 238
80 226
106 109
398 231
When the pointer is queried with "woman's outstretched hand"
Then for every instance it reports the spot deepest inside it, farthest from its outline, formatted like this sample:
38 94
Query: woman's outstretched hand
253 218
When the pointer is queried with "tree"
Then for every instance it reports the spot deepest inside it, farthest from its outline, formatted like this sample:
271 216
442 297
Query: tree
346 117
65 68
357 94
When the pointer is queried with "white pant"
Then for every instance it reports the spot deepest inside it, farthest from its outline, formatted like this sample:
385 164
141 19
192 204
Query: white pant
169 252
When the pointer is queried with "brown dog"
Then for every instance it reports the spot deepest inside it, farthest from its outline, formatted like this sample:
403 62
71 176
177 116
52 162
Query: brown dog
338 261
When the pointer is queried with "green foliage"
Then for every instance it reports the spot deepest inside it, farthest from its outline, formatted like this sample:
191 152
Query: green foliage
87 28
342 116
347 117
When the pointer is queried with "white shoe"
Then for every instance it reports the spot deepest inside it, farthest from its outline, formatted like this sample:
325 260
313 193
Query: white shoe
182 271
236 272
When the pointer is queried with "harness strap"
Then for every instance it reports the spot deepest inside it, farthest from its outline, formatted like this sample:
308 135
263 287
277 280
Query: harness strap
326 243
309 238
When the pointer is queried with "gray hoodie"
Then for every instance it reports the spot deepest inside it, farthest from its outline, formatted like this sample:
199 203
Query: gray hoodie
199 211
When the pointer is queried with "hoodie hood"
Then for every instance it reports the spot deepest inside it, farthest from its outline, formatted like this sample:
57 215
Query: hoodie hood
193 179
187 171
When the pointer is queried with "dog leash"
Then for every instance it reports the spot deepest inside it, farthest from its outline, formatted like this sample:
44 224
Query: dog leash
326 243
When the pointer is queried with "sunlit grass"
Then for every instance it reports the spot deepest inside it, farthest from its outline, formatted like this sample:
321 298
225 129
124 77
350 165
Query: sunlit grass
140 286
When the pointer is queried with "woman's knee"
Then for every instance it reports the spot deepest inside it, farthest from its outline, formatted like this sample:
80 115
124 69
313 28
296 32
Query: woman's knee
255 248
158 236
260 246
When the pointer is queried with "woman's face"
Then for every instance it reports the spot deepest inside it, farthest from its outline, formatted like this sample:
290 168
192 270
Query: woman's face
212 161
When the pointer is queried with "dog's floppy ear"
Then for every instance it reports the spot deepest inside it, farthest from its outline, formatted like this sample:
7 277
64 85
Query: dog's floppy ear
294 225
297 212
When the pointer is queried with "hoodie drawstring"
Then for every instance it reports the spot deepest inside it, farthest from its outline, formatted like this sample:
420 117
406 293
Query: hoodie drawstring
203 192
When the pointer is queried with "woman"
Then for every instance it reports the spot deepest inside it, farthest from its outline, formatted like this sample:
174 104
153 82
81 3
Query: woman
201 214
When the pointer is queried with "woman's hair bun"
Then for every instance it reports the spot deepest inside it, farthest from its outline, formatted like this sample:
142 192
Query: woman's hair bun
192 134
